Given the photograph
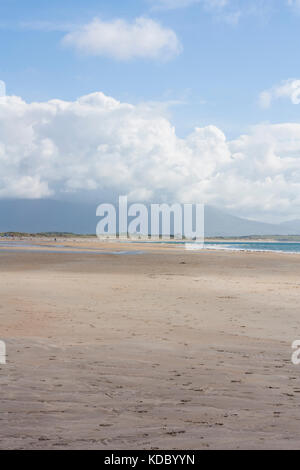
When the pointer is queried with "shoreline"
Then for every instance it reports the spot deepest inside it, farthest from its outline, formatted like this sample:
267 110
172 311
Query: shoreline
69 245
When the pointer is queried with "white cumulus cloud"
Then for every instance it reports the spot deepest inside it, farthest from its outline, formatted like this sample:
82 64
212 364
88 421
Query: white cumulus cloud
288 89
121 40
100 145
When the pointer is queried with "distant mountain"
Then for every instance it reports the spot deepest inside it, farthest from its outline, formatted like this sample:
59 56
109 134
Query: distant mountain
291 226
45 215
219 223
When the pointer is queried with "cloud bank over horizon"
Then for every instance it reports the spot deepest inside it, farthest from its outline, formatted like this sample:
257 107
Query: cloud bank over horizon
98 144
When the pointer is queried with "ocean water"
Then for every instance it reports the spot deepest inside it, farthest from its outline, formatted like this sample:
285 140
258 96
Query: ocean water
278 247
281 247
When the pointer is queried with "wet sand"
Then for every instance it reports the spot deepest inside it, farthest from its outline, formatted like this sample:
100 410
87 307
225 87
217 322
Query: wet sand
167 349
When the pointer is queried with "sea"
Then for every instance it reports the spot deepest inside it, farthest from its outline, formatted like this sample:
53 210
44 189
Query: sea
279 247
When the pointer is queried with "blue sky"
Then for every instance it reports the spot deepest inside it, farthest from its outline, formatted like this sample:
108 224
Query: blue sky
218 76
162 100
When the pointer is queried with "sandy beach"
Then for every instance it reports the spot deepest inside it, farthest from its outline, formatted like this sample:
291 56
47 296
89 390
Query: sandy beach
156 349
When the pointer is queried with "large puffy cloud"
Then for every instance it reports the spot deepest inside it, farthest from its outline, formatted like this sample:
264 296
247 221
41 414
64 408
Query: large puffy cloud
144 38
97 144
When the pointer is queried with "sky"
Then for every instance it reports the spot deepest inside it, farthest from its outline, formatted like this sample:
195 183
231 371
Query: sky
163 100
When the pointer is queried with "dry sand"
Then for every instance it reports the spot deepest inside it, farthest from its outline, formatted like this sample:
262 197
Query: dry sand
162 350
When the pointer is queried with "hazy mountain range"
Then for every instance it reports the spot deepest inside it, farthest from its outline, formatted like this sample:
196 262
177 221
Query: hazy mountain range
44 215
